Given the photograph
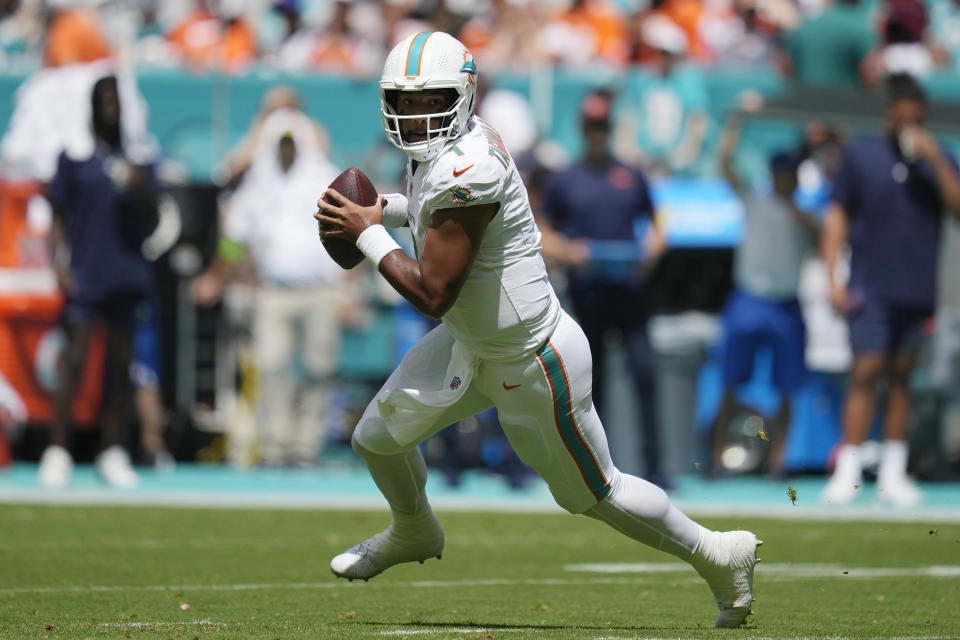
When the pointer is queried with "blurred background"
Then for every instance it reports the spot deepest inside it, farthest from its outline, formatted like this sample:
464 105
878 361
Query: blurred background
244 110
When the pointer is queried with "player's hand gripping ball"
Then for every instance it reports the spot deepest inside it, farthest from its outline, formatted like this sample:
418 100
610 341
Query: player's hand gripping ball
354 186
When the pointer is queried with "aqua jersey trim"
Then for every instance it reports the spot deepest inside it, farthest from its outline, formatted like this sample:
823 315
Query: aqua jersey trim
566 426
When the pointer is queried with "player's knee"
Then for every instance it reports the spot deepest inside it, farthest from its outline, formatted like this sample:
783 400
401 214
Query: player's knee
371 438
573 506
362 444
574 500
355 443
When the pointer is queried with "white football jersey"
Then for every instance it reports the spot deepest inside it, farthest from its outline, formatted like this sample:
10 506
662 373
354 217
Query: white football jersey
507 305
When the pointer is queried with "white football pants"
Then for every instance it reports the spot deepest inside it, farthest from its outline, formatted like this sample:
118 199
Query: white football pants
545 406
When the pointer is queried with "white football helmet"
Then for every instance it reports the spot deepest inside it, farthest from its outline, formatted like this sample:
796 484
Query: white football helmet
425 61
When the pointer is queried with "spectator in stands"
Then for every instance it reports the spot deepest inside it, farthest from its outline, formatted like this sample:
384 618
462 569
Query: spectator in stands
499 36
301 294
401 19
340 47
888 200
74 35
639 51
829 50
221 39
292 49
586 32
687 15
152 48
944 33
21 34
763 311
903 47
593 202
664 120
744 36
104 206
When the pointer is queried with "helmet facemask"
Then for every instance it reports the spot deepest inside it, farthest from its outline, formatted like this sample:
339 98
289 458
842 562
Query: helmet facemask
440 126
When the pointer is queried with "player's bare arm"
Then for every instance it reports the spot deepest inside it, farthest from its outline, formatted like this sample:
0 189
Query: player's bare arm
451 245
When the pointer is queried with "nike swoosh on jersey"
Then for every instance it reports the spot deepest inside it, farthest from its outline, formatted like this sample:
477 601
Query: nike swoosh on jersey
457 174
510 386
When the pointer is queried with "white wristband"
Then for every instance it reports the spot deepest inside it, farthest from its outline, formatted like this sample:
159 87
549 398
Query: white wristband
375 242
395 211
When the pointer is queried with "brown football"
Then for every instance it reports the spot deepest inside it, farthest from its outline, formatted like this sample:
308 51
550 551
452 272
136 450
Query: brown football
356 187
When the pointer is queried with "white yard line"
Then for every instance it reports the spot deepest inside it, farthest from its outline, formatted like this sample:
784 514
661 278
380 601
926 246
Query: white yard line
640 575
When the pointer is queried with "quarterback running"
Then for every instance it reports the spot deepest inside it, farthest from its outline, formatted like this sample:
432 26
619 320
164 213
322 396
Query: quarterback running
504 341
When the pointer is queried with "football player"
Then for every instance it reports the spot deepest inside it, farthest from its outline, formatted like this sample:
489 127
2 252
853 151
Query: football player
504 341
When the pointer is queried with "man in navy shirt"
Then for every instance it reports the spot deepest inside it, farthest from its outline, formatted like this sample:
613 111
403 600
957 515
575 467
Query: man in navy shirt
591 203
888 200
104 206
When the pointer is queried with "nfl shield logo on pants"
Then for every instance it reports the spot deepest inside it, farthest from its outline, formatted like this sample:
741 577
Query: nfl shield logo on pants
455 382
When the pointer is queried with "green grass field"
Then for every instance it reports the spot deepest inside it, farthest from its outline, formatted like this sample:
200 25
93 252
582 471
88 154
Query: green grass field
99 572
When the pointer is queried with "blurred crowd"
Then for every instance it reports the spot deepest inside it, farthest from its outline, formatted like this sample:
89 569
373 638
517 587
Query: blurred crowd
830 42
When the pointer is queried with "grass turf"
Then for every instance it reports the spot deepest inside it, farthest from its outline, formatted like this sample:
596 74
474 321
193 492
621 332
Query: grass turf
138 572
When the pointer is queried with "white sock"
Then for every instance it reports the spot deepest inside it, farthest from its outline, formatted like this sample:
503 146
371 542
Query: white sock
400 475
893 460
849 466
642 511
